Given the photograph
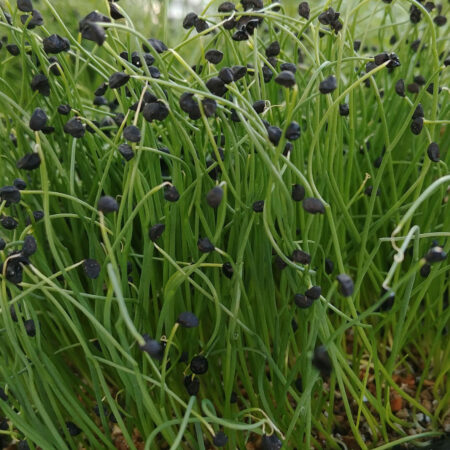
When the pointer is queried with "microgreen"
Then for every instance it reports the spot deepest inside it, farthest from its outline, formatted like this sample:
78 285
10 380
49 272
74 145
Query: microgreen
230 232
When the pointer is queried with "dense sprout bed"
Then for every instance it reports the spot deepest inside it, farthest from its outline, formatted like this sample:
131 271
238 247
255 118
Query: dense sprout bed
231 233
